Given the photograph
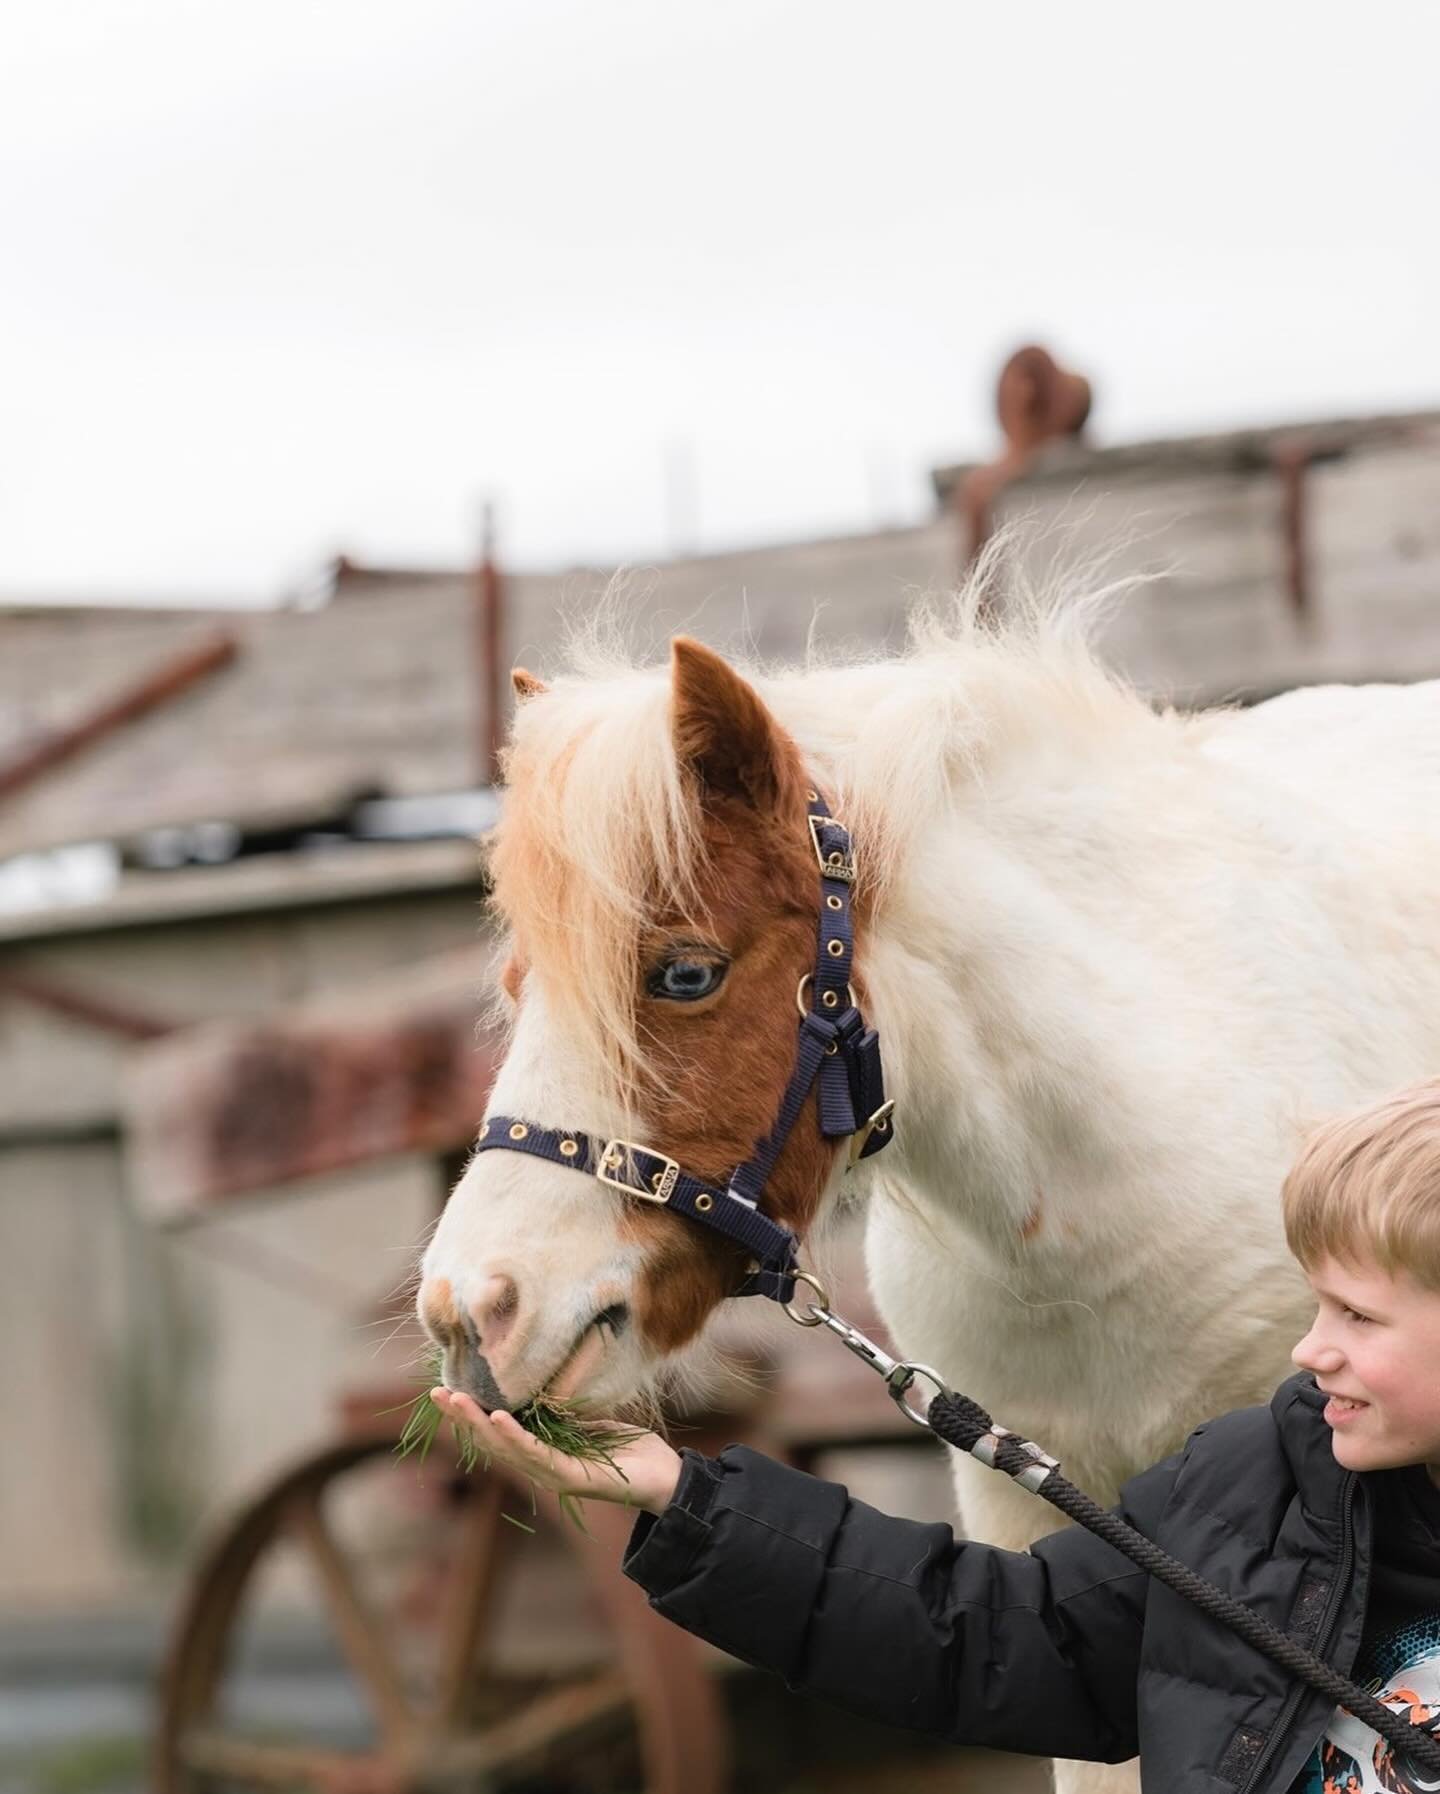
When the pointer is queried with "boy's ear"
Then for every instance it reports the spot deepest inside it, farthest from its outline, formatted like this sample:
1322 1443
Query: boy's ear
526 685
722 730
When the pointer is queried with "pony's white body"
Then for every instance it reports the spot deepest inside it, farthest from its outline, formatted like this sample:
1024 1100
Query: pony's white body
1118 960
1116 980
1108 1026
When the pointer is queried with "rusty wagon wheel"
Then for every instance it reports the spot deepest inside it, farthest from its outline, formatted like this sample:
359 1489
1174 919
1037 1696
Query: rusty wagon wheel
484 1660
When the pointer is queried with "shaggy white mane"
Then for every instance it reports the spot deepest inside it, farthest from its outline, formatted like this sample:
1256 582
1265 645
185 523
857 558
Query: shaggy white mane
600 829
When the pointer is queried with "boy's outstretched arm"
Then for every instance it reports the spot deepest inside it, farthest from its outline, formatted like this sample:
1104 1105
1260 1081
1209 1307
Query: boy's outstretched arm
1026 1651
1035 1652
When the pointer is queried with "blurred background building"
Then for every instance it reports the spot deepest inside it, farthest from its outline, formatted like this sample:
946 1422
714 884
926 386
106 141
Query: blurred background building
244 950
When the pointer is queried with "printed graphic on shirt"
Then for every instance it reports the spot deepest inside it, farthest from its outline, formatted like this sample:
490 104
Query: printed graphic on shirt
1404 1676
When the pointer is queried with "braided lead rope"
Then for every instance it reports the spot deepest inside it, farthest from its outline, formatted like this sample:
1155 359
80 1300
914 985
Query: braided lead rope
963 1423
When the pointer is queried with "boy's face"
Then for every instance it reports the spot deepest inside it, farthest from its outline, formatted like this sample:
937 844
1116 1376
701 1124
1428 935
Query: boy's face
1375 1350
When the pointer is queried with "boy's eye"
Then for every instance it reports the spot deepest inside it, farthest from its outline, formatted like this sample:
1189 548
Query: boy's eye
1353 1314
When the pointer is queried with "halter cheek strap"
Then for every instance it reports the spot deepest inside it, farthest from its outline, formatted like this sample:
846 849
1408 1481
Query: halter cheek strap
836 1052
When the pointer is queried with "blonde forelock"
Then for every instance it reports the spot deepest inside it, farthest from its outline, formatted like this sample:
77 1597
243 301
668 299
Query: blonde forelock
599 835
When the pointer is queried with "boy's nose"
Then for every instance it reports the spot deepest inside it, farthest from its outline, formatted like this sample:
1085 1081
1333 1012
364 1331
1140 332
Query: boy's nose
1315 1354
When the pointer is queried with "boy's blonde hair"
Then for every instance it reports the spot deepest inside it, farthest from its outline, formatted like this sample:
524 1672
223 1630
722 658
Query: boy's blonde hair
1367 1185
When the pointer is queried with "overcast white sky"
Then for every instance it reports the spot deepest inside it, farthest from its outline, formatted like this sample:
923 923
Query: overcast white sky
278 279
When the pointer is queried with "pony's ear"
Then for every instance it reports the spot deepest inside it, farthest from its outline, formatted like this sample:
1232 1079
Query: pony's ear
723 731
526 684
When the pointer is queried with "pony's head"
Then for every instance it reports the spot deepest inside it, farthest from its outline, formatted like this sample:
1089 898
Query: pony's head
658 876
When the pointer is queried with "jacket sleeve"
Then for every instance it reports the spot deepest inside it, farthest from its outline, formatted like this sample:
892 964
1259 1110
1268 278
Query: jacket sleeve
1032 1651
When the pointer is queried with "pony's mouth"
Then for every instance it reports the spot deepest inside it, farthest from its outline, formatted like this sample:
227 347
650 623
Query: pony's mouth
585 1355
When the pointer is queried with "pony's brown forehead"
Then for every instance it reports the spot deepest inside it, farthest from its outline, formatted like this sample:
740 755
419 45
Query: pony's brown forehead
752 871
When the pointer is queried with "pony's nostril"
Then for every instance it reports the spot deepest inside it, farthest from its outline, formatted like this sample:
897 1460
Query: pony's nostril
492 1310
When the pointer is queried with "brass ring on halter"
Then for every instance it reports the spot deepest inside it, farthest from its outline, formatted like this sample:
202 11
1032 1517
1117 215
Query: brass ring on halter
800 994
821 1302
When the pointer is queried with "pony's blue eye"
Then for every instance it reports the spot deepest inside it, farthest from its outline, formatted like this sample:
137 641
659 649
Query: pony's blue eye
685 980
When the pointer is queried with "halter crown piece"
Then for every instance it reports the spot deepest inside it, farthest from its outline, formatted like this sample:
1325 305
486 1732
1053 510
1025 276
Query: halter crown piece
835 1050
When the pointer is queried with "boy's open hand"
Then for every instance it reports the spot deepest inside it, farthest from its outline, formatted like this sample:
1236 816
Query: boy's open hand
644 1475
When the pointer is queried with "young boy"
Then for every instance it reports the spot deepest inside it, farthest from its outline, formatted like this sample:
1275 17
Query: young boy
1322 1511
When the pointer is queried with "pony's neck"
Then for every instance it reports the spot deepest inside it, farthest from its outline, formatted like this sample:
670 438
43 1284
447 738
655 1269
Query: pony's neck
1008 828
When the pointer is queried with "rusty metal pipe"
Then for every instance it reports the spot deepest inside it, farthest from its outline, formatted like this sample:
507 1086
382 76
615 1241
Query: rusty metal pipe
159 686
489 634
108 1015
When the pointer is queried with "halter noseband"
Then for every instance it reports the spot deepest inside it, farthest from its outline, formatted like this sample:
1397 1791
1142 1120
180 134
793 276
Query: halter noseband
835 1048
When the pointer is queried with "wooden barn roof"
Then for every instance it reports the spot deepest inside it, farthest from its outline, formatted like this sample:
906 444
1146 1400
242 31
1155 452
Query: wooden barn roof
378 690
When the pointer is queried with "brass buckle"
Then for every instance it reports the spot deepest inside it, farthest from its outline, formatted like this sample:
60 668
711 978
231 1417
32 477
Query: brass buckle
860 1139
614 1156
832 865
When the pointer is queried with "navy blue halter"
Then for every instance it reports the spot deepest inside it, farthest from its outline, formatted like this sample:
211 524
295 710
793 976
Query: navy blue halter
835 1050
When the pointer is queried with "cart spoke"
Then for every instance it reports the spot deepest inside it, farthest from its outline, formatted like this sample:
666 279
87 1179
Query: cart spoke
356 1625
472 1584
258 1765
550 1720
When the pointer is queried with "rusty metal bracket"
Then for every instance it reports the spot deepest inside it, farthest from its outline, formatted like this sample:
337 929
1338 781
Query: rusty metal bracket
1292 458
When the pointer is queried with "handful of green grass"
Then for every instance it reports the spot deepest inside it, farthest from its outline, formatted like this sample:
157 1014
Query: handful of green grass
556 1424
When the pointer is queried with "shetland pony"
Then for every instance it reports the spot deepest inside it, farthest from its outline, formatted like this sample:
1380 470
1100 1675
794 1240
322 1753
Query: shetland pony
1118 958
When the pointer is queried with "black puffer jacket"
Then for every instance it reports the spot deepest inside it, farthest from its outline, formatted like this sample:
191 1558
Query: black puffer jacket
1067 1650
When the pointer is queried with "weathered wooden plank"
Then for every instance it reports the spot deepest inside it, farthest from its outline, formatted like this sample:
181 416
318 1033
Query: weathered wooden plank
374 693
219 945
233 1108
356 872
1250 449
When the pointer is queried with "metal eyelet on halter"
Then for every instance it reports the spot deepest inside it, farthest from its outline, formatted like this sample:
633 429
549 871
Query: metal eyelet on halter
834 902
704 1202
485 1131
836 949
828 998
569 1148
832 1049
518 1130
821 1302
814 796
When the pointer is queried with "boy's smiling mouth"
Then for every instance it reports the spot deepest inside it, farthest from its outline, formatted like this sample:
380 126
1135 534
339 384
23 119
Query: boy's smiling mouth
1340 1408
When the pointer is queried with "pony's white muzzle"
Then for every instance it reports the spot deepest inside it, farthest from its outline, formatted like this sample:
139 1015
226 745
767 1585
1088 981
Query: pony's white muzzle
526 1260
